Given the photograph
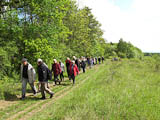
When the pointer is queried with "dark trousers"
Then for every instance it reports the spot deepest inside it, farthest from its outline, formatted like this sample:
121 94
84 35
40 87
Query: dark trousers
61 76
56 79
73 78
83 69
68 72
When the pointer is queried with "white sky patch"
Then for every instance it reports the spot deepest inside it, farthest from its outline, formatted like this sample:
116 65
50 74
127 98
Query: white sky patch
140 24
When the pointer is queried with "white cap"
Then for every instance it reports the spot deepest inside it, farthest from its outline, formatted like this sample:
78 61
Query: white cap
39 60
55 60
74 57
73 62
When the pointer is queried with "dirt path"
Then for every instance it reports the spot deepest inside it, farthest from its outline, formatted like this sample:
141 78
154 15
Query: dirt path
39 106
4 104
57 96
36 104
31 110
31 113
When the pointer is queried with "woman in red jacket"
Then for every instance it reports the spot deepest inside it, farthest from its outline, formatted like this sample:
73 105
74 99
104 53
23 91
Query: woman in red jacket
73 71
56 69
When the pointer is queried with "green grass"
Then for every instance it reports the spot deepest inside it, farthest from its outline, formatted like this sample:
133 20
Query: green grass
128 89
21 105
118 91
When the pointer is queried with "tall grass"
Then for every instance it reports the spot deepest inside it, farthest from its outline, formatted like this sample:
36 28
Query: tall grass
119 90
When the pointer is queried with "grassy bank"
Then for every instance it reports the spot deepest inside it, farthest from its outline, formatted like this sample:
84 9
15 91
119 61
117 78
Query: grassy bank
119 90
128 89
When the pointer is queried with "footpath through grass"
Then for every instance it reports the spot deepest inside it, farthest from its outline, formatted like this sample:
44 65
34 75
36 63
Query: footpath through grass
119 90
112 91
21 108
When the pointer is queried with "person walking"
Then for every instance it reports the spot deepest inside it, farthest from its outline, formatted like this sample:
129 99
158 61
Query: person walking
99 60
79 65
68 62
96 60
62 70
73 71
91 62
77 62
28 75
102 59
56 71
83 65
39 84
88 61
43 80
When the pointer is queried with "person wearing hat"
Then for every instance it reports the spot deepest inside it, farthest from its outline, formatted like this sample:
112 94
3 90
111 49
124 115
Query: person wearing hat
73 71
39 84
56 69
28 75
42 78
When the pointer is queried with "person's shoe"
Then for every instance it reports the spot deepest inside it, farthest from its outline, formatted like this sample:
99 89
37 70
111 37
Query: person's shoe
22 98
51 95
35 94
43 98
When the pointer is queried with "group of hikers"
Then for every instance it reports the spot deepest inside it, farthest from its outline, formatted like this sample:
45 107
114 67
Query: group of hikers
28 73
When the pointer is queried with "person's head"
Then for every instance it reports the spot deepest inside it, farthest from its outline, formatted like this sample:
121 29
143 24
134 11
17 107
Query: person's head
68 58
24 61
74 57
54 61
60 62
39 61
73 62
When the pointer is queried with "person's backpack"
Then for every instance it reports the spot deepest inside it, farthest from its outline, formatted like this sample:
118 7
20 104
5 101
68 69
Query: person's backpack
49 74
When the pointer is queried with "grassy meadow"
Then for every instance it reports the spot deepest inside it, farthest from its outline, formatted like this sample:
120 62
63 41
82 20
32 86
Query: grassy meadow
123 90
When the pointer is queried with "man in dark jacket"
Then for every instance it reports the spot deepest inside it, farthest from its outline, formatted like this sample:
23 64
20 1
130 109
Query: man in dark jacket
96 60
77 62
83 65
99 60
42 78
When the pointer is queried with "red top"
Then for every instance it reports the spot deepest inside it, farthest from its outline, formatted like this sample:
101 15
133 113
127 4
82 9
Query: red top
56 69
74 70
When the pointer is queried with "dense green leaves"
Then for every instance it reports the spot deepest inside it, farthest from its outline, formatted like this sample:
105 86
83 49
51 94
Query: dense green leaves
123 50
50 29
46 29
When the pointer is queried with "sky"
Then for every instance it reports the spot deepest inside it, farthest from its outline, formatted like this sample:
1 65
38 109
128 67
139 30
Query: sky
136 21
